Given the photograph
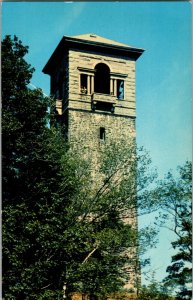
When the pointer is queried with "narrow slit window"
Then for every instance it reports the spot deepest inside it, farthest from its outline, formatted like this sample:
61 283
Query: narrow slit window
102 133
83 84
120 89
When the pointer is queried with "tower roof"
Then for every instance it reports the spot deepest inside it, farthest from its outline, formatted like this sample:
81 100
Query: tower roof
98 39
91 42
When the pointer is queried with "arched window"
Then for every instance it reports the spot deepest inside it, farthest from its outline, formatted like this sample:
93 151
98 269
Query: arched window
102 79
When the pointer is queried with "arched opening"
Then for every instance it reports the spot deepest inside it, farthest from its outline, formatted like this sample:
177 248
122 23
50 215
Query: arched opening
102 79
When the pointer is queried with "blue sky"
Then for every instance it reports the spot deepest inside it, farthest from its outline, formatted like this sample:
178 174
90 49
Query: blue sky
163 72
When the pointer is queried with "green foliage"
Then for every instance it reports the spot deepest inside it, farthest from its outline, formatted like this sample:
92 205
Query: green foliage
154 291
33 201
176 204
105 237
16 72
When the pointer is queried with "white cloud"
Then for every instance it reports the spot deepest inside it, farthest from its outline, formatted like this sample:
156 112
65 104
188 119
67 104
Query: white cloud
71 17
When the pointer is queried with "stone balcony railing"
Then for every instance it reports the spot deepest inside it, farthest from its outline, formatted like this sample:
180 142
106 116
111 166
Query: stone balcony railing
98 97
108 102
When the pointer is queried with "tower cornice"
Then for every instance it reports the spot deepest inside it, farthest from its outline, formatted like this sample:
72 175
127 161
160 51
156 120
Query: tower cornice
91 42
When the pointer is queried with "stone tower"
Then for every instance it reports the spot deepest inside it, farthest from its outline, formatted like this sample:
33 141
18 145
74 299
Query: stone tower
93 80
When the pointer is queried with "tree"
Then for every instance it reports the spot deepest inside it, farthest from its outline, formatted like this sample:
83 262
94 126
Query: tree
154 291
31 160
176 204
112 211
56 228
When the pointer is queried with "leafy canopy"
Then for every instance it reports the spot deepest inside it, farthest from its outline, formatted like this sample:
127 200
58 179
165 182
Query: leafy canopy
175 196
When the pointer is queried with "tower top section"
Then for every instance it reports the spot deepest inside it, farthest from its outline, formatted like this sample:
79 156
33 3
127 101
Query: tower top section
91 42
94 74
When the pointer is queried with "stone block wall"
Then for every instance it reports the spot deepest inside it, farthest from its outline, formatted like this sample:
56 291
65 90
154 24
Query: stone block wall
84 127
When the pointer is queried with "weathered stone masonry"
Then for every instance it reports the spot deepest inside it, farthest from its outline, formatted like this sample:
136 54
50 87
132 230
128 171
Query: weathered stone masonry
86 128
